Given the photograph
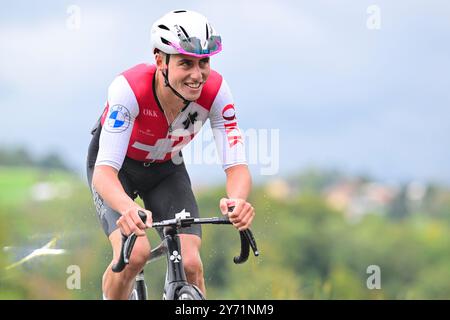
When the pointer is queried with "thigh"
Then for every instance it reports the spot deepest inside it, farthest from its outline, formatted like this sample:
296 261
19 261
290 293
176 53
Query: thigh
190 247
141 247
171 196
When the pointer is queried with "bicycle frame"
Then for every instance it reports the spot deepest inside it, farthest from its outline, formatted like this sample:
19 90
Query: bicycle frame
170 247
175 275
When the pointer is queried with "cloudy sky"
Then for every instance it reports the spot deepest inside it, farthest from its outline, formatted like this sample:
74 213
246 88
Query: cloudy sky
363 86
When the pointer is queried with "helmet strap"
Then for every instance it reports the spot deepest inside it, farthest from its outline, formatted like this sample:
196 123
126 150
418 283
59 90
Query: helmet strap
167 84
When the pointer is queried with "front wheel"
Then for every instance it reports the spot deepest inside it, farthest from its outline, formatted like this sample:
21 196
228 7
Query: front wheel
189 292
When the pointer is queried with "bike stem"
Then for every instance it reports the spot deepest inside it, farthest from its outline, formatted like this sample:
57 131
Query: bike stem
175 270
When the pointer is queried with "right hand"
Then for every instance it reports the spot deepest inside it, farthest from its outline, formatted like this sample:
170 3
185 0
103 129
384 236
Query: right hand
130 222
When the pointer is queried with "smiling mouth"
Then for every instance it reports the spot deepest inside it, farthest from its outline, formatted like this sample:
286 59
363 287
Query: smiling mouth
194 85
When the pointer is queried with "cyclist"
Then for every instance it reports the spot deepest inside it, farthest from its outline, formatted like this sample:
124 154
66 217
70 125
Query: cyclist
152 111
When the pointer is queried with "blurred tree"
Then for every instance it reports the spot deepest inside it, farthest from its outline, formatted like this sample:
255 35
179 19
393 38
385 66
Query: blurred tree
52 161
15 157
399 207
21 157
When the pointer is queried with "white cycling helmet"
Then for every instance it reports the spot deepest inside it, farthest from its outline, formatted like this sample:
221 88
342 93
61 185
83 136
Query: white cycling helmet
185 32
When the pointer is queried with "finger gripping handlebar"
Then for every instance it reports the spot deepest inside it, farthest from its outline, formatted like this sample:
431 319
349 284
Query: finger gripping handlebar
247 241
127 247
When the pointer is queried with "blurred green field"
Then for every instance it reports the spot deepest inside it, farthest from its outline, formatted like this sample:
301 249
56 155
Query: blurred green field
16 183
308 249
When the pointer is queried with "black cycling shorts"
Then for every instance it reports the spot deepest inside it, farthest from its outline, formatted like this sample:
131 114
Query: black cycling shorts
165 189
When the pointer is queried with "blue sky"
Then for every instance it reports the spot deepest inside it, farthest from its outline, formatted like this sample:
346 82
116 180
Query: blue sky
341 95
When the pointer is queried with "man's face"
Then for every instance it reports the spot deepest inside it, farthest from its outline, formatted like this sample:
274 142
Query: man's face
187 75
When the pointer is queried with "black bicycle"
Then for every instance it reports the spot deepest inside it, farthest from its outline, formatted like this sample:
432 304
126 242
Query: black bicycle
176 286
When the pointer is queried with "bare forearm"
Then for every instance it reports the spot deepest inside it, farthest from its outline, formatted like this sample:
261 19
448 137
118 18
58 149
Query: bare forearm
107 184
239 182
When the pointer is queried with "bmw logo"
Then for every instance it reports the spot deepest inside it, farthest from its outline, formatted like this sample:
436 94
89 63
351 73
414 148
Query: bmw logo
118 119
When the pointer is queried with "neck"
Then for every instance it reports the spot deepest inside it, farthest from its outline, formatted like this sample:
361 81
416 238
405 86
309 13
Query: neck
169 101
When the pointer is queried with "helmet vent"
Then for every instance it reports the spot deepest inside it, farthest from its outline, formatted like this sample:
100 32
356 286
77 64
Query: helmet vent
163 27
184 31
179 11
165 41
207 32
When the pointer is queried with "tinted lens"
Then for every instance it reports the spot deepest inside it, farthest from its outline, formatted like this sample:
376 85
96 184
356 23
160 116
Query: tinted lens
193 45
214 43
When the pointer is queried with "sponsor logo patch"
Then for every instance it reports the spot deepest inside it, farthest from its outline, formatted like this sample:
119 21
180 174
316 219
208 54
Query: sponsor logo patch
118 119
231 128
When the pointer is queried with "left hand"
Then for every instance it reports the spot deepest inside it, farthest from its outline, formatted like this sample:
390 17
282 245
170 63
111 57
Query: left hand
241 216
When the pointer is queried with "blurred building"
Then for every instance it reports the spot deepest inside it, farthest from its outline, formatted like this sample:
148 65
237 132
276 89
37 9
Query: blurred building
356 197
278 189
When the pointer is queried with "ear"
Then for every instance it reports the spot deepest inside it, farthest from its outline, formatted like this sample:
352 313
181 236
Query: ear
160 60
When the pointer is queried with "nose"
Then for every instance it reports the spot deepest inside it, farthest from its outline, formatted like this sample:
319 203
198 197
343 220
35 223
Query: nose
197 74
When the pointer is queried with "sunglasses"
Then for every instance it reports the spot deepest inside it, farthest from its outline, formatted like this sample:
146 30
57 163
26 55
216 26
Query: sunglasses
192 46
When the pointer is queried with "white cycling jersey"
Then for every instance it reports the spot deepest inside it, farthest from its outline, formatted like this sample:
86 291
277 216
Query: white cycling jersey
134 124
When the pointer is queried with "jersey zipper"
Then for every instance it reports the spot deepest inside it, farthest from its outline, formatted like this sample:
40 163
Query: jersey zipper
170 129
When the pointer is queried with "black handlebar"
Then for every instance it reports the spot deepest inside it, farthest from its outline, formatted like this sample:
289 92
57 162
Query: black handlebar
247 239
143 216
